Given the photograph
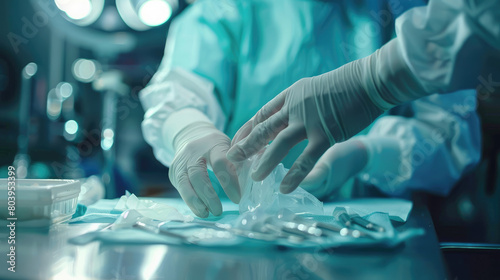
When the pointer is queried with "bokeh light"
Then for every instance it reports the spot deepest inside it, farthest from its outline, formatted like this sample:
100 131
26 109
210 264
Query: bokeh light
155 12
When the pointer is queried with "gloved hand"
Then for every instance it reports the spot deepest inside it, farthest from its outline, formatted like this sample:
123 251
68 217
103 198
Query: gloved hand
325 109
337 165
200 146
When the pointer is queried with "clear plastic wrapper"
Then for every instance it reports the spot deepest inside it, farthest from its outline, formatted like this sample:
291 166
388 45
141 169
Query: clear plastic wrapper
92 190
266 195
150 209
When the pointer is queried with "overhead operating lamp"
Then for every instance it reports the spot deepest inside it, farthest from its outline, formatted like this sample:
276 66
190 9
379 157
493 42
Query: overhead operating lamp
144 14
81 12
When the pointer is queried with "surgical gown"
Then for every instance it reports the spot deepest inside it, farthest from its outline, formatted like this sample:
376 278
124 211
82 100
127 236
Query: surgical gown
229 58
452 44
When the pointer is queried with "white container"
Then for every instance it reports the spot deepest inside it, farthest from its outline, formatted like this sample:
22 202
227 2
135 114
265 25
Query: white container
52 201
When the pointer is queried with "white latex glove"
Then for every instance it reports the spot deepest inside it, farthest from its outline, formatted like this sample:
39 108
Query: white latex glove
200 146
337 165
325 109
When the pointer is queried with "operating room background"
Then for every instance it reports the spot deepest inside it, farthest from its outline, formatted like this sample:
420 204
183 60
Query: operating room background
125 57
71 136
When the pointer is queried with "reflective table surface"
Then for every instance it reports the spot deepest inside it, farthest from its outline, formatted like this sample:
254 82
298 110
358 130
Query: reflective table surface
47 255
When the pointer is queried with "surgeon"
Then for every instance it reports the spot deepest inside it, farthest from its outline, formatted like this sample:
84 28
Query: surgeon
224 60
446 46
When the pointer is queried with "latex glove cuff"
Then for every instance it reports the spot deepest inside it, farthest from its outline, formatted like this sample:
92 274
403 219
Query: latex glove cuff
388 79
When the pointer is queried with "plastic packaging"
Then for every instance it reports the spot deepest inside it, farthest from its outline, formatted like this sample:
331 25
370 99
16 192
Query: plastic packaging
51 201
266 195
92 191
150 209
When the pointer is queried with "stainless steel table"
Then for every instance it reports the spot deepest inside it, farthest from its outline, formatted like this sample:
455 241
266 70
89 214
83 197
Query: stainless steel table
47 255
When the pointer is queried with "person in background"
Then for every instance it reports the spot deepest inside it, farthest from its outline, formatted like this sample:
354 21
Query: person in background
226 59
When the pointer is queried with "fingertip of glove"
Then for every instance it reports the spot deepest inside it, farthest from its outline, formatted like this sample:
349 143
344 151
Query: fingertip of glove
217 212
287 186
286 189
201 213
257 176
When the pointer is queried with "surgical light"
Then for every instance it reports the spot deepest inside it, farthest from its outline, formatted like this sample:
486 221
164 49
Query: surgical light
75 9
142 15
155 12
81 12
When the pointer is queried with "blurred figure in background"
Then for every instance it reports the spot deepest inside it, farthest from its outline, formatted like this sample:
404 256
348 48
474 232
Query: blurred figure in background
225 59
